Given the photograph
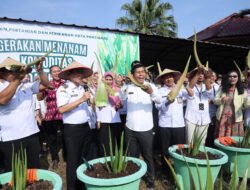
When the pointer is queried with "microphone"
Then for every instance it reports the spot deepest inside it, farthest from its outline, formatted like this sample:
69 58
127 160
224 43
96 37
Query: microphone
86 89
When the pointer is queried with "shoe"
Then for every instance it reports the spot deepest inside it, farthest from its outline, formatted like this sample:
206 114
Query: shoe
55 165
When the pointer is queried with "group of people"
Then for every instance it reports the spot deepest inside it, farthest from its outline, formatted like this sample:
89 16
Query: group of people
70 98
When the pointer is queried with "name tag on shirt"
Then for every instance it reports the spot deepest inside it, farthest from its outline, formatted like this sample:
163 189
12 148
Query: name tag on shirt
179 100
130 92
74 95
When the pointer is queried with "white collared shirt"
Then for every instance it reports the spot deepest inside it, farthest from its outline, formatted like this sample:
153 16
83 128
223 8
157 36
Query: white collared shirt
69 93
17 117
193 113
171 114
139 107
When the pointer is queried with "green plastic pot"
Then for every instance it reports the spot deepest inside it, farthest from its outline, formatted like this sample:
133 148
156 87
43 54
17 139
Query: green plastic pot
181 168
243 157
122 183
41 174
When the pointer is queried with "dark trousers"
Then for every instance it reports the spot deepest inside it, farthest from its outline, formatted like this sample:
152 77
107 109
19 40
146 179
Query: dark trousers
103 136
42 135
76 137
53 138
171 136
210 133
141 142
32 146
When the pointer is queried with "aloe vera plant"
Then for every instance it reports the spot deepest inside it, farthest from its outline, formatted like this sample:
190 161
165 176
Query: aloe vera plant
248 59
246 138
118 158
241 73
233 184
193 148
62 60
199 63
173 93
101 96
19 169
159 68
36 61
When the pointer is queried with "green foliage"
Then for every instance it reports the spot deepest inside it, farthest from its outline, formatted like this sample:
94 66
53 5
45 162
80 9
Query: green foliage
243 184
101 95
19 169
193 148
245 141
199 175
118 159
149 18
234 181
234 178
118 51
209 184
177 182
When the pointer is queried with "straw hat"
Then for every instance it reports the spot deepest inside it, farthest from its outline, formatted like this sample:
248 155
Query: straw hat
167 71
9 62
86 71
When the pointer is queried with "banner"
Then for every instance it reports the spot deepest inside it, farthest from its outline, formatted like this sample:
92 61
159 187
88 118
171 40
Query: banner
26 41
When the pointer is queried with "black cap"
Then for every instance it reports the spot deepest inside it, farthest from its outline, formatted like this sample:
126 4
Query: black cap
135 65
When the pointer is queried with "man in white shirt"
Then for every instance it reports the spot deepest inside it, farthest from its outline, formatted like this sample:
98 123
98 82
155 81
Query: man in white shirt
138 130
17 116
197 112
72 104
171 118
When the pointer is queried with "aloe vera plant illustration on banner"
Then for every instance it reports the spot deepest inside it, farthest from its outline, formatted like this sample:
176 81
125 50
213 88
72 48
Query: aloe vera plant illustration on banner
123 46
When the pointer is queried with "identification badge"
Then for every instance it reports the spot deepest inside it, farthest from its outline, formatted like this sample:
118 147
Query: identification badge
201 106
179 100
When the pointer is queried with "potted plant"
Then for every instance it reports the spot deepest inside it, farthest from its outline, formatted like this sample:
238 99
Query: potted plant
112 173
194 155
21 178
233 183
236 148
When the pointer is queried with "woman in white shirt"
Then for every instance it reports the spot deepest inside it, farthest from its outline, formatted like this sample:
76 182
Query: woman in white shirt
109 116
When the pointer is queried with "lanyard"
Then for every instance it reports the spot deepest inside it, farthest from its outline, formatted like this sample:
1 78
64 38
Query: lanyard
214 90
199 91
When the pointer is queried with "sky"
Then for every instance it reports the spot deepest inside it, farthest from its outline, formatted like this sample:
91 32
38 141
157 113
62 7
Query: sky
189 14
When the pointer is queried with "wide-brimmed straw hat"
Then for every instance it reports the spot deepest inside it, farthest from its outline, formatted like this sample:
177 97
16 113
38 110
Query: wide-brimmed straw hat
86 71
167 71
9 62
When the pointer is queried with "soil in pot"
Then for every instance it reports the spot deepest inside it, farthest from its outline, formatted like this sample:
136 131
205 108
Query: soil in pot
36 185
100 171
237 145
201 155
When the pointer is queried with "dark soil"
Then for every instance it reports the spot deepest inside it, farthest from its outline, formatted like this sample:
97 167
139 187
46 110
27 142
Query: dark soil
37 185
100 171
237 145
200 155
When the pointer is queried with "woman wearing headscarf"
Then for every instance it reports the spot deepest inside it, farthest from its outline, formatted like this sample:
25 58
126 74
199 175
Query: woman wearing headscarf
108 116
231 99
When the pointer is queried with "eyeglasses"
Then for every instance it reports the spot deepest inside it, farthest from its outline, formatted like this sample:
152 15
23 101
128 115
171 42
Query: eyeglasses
232 76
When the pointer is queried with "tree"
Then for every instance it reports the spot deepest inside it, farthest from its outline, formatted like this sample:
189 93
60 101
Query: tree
149 18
